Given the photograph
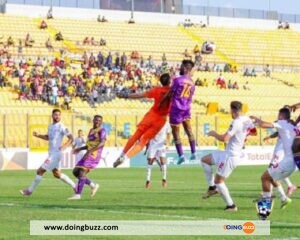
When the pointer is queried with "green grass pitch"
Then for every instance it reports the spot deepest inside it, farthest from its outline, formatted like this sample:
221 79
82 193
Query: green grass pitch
122 196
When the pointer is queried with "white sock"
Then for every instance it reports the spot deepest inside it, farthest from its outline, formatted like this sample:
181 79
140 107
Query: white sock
149 167
281 192
208 173
35 182
67 180
267 194
288 182
92 185
164 171
223 190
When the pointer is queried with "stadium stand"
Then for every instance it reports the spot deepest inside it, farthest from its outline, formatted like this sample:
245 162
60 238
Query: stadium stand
237 47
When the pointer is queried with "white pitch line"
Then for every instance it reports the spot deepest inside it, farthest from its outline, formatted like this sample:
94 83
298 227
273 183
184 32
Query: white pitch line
103 210
296 224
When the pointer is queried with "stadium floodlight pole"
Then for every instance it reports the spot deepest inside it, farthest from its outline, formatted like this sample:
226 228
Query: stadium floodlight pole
132 8
207 13
269 5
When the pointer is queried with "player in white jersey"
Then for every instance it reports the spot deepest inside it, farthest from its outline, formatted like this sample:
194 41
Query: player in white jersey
78 143
272 176
226 161
55 135
157 151
278 155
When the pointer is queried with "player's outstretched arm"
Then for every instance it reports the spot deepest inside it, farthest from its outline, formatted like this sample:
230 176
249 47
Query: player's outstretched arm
220 137
44 137
261 123
273 135
68 143
132 95
294 107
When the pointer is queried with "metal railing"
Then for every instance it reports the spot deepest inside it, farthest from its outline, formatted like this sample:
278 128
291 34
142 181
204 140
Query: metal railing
16 130
160 6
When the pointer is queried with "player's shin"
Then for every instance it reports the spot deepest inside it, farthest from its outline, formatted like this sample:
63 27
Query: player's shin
35 182
64 178
223 190
208 174
149 169
164 171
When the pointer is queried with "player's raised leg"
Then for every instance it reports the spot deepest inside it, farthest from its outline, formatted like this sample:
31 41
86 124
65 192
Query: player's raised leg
188 130
163 164
178 144
207 162
80 174
38 178
64 178
149 169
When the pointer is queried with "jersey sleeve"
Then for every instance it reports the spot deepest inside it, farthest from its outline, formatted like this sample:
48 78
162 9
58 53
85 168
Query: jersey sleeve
65 131
102 134
152 93
233 128
277 125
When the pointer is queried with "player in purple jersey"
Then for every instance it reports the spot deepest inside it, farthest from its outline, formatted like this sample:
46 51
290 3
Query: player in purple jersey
95 143
181 94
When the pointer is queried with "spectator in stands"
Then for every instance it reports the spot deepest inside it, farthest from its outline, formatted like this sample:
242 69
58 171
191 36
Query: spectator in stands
135 55
43 25
198 59
20 48
102 42
50 14
229 85
108 62
104 19
280 25
28 41
49 45
10 41
196 49
117 61
186 54
67 101
86 41
286 25
99 18
246 86
205 83
198 82
123 60
100 60
142 62
54 94
253 72
92 60
149 62
164 59
94 42
220 82
268 71
206 68
233 69
227 67
235 86
59 36
247 73
202 25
